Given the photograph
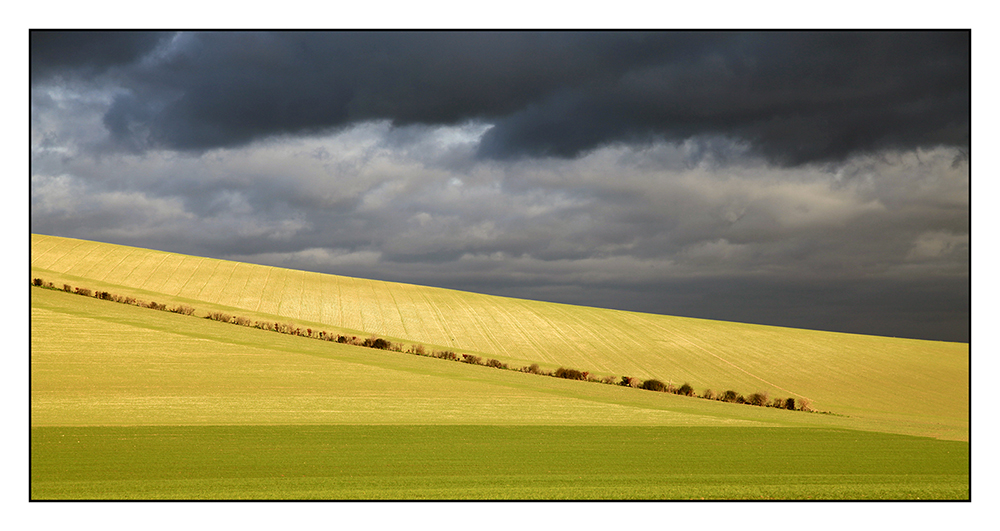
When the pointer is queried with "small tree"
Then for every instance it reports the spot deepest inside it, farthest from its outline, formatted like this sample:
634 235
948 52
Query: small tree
789 403
685 390
629 381
728 396
804 404
758 399
37 282
654 385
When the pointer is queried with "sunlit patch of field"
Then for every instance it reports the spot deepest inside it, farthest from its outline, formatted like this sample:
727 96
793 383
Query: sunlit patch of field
133 403
920 386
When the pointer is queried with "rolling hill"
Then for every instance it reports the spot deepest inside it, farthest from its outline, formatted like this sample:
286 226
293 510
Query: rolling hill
897 385
128 402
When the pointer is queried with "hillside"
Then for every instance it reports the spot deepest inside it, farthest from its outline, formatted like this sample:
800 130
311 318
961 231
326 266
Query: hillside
874 383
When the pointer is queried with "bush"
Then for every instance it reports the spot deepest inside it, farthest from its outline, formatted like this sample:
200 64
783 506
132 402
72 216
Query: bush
533 369
419 350
728 396
474 360
104 296
685 390
709 394
789 403
496 364
219 316
654 385
740 399
67 288
758 399
804 404
153 306
446 355
376 342
570 374
610 380
36 282
242 321
83 291
629 381
183 309
778 402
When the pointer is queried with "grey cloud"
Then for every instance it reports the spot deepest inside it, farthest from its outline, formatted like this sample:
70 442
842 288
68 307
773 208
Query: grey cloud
794 97
88 53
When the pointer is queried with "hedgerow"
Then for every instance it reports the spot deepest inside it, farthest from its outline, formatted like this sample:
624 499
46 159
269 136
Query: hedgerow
759 398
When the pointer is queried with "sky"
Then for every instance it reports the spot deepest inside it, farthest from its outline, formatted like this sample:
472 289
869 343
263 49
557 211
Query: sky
807 179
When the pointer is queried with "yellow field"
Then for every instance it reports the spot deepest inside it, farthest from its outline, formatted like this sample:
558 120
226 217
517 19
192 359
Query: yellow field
909 386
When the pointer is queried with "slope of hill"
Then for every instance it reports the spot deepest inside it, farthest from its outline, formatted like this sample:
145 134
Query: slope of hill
885 384
133 403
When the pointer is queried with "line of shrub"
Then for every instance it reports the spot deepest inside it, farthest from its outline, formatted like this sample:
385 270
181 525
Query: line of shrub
107 296
760 398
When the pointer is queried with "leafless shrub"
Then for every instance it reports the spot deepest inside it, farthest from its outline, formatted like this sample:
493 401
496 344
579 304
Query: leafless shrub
654 385
83 291
759 398
570 374
804 404
472 359
219 316
629 381
182 309
708 394
67 288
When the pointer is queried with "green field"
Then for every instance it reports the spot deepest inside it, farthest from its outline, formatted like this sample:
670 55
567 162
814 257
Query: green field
491 462
129 402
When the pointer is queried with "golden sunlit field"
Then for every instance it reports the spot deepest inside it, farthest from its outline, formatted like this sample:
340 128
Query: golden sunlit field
115 388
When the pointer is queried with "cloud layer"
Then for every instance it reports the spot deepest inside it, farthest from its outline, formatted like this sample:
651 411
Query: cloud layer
814 180
795 97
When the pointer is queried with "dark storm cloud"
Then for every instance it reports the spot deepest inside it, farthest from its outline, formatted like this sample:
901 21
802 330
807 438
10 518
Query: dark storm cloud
88 53
795 97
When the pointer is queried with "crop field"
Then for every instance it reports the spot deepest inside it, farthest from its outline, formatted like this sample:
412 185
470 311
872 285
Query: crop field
491 462
129 402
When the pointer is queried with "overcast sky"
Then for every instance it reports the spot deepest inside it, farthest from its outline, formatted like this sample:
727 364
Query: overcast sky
805 179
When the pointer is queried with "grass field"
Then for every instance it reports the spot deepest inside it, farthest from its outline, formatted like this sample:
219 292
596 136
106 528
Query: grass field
491 462
236 407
